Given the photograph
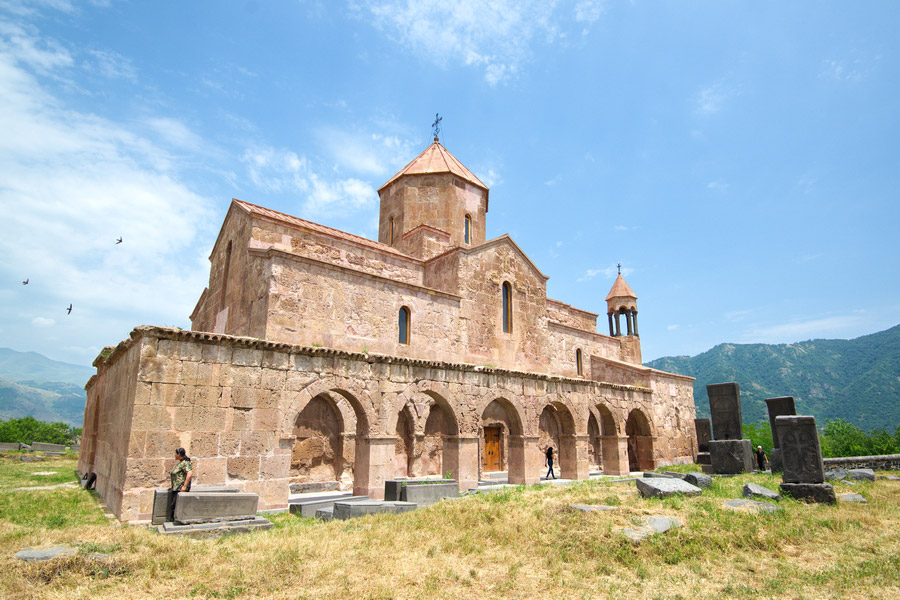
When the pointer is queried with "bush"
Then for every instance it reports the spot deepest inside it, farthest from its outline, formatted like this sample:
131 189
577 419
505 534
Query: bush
28 430
840 438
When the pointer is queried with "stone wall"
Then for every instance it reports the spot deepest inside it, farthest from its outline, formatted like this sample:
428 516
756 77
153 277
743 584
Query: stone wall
234 404
883 462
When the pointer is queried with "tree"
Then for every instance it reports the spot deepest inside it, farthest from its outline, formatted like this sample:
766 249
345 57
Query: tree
759 434
28 430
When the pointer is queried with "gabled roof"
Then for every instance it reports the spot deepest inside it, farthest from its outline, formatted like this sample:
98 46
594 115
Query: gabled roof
502 240
436 159
620 289
274 215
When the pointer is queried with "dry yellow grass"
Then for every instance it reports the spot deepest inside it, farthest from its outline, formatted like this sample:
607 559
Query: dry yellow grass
524 543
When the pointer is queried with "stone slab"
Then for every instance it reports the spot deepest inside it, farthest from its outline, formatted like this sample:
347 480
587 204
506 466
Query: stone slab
38 555
801 453
9 446
752 490
704 434
835 474
198 507
701 480
703 457
662 475
654 525
731 456
308 508
775 463
779 407
750 505
725 410
42 447
349 510
325 514
664 487
428 494
593 507
810 492
314 486
707 469
849 497
237 526
162 504
861 474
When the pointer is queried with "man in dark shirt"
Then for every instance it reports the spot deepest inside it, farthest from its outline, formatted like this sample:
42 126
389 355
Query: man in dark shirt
760 458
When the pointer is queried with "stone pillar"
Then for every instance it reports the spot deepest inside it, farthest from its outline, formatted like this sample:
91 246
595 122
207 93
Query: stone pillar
611 330
618 326
525 459
614 455
461 459
374 465
574 451
628 321
634 318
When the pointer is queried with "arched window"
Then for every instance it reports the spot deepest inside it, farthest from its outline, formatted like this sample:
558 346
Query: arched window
391 231
578 367
507 307
403 325
468 228
225 273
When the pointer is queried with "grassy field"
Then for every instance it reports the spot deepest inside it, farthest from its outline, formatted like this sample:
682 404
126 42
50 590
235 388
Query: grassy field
518 543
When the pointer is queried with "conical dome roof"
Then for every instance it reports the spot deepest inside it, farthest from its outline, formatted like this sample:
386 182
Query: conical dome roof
436 159
620 289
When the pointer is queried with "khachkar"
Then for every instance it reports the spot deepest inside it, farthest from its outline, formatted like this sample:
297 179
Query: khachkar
704 434
728 452
804 472
778 407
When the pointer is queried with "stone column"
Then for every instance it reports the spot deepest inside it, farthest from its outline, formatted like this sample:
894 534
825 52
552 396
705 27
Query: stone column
525 460
374 465
461 459
628 321
618 326
611 330
634 318
614 455
574 451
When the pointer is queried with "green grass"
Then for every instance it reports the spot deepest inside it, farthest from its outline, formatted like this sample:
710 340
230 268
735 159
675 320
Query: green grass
524 542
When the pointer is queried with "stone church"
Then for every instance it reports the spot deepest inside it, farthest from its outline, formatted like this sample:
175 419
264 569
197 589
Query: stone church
315 355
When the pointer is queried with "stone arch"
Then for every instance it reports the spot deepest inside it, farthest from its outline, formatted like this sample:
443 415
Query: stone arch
431 446
612 459
502 438
640 441
513 404
595 444
341 441
557 414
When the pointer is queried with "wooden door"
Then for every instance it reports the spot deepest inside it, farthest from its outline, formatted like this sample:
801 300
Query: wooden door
491 460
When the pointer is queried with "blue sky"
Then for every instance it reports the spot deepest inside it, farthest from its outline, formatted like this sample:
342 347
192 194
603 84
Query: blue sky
740 159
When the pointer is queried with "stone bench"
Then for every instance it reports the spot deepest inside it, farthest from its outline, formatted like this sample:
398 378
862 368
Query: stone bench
308 508
212 507
349 510
162 501
428 494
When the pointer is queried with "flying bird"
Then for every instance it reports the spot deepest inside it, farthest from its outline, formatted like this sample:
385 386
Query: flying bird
69 310
25 282
119 241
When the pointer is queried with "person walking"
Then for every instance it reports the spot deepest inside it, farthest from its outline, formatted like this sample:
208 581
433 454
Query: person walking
761 458
549 455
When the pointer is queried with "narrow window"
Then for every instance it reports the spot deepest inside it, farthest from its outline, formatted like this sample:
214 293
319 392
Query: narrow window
468 227
578 368
225 271
391 232
403 325
507 307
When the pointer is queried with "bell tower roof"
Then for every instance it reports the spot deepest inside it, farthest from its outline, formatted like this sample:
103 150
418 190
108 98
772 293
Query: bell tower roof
620 289
436 159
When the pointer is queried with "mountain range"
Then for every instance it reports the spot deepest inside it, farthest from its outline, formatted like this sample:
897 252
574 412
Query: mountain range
855 380
48 390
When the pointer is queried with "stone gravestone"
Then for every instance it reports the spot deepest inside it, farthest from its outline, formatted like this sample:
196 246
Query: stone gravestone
729 453
804 472
704 434
725 410
778 407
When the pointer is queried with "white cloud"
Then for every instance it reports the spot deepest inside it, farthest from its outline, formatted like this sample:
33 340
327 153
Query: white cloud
846 70
373 154
175 133
710 99
803 329
493 35
112 64
738 315
623 228
719 186
554 181
281 171
672 327
607 272
74 182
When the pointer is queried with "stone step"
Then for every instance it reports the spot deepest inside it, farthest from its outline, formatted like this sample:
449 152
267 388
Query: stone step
240 526
308 508
491 475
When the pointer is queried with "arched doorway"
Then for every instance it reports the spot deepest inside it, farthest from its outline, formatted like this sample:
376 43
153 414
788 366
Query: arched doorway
611 461
501 444
323 451
640 442
404 448
549 436
595 446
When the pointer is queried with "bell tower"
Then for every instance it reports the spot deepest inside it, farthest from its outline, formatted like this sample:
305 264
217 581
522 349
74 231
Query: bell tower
432 205
622 301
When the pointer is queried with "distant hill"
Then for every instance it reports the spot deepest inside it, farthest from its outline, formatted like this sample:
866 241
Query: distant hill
33 385
856 380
